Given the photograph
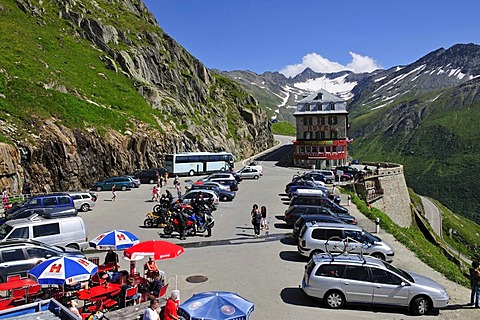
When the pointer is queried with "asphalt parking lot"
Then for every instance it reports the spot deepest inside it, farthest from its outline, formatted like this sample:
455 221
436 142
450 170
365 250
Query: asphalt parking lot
267 270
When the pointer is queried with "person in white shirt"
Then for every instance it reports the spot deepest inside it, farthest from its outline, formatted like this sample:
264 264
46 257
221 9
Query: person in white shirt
151 312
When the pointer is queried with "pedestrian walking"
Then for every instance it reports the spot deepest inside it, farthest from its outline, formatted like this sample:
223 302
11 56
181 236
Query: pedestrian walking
154 193
4 197
160 181
178 186
263 212
175 181
256 220
475 283
114 193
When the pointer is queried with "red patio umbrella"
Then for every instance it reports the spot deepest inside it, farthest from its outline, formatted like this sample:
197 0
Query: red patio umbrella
159 249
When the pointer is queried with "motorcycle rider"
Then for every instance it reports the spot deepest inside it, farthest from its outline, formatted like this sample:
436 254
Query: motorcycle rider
182 221
199 206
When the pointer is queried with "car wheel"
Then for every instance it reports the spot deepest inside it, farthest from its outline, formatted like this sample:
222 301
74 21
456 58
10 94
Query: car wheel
151 181
378 255
329 181
224 198
420 306
124 188
99 188
191 173
73 246
255 177
334 299
85 207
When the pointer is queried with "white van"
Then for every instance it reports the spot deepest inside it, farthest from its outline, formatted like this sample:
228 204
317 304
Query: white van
67 232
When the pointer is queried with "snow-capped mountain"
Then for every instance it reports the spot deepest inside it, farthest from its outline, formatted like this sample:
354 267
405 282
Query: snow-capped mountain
364 92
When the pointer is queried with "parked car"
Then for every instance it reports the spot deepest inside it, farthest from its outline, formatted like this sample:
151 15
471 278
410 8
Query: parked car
121 183
83 201
316 201
216 184
47 205
316 237
304 218
219 175
191 195
257 167
136 181
19 256
311 187
223 195
300 182
327 174
294 212
249 173
349 170
147 176
362 279
66 231
232 183
315 176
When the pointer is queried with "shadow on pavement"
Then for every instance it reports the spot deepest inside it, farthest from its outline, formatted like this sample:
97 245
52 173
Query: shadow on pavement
296 297
281 218
282 226
289 241
292 256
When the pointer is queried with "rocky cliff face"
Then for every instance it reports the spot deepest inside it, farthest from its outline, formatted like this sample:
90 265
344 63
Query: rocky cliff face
201 111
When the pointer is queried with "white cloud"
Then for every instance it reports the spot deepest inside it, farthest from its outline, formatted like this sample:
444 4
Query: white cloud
318 63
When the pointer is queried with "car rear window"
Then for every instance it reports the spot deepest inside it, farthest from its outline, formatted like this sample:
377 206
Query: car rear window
330 270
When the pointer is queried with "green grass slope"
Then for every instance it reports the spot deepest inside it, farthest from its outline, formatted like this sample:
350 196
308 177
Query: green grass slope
435 137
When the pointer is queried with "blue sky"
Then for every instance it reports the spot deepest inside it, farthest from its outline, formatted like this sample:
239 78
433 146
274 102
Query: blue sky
326 35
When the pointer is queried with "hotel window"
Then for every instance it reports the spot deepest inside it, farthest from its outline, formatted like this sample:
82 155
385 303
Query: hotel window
322 134
314 149
318 135
327 149
321 149
333 135
340 148
302 149
307 107
307 121
332 105
332 120
307 135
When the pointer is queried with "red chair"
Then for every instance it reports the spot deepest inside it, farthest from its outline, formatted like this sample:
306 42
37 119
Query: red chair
19 295
163 291
33 292
6 303
130 295
14 277
110 303
95 260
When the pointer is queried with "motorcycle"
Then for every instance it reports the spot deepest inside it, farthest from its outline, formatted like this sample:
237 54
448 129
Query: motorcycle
156 219
174 224
164 203
203 221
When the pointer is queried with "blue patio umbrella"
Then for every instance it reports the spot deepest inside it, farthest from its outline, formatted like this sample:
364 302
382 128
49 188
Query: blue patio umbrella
114 240
63 270
216 305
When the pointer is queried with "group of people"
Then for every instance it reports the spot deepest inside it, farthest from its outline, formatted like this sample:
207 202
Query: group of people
259 219
156 190
171 308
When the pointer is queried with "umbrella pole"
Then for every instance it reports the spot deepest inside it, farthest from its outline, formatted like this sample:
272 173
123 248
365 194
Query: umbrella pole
176 278
132 268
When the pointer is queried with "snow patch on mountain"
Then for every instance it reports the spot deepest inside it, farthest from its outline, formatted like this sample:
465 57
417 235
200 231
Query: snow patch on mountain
338 86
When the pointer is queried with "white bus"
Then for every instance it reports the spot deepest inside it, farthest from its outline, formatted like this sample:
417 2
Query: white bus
191 163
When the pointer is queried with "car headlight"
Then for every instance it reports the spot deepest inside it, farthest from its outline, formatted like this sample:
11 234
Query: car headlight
444 293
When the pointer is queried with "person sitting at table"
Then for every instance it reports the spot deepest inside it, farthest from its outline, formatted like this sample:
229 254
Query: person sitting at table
111 257
123 293
113 276
156 285
151 268
75 286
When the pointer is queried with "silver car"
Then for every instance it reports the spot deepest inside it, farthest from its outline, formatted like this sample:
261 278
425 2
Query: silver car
249 173
83 201
362 279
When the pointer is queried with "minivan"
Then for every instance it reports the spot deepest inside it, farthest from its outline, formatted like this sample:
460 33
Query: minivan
146 176
48 205
316 201
69 232
339 238
361 279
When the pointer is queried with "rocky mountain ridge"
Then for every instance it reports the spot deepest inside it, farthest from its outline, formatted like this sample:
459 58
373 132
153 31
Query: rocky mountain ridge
132 95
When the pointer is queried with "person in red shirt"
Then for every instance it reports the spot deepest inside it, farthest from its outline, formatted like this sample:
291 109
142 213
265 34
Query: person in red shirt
171 307
151 268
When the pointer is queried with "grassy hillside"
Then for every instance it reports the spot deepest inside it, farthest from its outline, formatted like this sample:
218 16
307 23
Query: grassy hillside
53 73
435 137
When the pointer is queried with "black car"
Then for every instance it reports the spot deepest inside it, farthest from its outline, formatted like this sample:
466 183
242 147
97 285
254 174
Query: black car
19 256
146 176
347 169
297 226
320 202
300 182
223 195
294 212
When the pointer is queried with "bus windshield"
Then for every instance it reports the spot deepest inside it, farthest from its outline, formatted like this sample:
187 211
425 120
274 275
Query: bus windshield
191 163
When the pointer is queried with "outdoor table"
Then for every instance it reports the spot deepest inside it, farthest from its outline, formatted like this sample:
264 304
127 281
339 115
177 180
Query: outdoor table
14 284
99 292
106 267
